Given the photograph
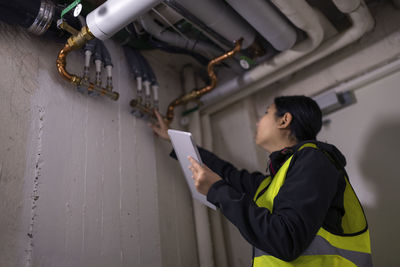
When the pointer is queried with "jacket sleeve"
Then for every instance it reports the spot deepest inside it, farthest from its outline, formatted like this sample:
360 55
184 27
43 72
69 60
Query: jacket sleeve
240 180
298 212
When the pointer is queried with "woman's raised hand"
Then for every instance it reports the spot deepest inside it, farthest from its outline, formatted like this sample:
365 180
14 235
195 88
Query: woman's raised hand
160 128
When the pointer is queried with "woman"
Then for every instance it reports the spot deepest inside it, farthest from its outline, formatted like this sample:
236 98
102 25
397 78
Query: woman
305 212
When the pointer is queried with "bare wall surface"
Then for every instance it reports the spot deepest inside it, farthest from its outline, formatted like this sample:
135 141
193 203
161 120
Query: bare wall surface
368 134
233 141
79 178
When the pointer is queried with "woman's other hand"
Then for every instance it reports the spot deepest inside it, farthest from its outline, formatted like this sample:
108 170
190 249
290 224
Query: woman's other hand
203 177
160 128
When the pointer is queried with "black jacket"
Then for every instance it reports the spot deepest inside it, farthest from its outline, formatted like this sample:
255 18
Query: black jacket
311 197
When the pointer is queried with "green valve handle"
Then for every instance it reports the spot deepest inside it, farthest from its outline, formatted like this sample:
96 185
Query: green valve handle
71 6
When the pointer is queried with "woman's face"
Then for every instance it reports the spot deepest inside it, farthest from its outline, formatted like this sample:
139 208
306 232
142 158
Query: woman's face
267 128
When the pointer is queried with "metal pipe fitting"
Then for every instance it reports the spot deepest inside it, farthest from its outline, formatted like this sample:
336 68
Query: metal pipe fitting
43 19
73 43
80 39
195 94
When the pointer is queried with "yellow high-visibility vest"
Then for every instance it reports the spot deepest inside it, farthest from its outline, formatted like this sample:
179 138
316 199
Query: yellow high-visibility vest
352 248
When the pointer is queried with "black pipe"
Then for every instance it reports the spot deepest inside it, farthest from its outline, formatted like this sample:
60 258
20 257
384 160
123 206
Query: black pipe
19 12
105 54
133 62
177 50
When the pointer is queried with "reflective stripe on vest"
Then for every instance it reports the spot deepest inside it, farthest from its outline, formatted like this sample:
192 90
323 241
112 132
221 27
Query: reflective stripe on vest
327 249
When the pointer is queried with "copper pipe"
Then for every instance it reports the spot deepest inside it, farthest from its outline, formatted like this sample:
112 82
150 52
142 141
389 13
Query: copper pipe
62 63
73 43
198 93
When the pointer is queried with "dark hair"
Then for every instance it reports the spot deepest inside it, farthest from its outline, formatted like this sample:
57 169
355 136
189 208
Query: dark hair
307 116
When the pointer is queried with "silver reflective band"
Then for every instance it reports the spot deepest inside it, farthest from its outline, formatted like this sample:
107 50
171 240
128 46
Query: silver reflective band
43 19
320 246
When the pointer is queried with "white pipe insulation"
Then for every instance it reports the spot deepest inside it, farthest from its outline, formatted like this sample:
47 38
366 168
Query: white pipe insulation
218 16
262 76
113 15
301 14
267 21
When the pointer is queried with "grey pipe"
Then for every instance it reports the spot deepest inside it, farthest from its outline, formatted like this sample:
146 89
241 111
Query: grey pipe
175 39
136 67
218 16
264 17
133 62
105 54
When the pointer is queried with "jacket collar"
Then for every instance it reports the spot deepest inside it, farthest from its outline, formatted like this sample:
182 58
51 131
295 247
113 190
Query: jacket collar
278 158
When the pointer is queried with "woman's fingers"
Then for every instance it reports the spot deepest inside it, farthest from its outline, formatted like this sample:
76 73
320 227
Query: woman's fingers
160 119
196 165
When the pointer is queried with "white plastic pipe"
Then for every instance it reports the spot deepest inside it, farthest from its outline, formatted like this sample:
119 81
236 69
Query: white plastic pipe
113 15
88 55
109 70
380 71
98 64
200 212
155 92
260 77
301 14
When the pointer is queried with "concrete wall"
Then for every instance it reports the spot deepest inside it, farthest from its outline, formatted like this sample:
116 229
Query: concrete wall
82 182
368 135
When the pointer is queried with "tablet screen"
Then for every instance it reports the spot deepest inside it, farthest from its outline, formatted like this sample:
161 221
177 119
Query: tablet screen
184 146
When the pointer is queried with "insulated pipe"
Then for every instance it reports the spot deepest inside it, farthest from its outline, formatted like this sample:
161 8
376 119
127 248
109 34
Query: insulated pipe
303 16
136 68
175 39
218 16
258 78
267 21
113 15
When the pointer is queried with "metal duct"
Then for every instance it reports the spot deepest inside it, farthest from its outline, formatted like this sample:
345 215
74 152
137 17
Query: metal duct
263 16
218 16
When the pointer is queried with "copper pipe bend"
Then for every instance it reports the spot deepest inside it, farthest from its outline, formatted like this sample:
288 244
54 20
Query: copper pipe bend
195 94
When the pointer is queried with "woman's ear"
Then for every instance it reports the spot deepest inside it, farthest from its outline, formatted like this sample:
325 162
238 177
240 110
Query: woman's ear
285 120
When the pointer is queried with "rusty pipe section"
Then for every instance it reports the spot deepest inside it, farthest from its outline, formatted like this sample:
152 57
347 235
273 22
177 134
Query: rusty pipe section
75 42
195 94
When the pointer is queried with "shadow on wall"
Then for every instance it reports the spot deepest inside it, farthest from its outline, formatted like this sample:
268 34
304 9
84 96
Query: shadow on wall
379 166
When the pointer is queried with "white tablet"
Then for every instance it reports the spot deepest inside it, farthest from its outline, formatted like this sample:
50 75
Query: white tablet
184 146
